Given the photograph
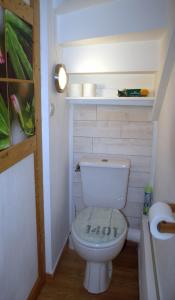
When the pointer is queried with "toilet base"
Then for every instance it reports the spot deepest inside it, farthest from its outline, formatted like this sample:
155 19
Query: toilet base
97 276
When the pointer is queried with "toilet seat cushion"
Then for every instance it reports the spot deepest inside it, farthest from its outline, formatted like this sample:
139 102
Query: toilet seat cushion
99 227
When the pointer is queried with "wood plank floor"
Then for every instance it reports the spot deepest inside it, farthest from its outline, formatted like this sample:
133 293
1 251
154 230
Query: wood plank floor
68 282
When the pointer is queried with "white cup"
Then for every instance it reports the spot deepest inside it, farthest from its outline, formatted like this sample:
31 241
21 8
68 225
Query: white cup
75 90
89 90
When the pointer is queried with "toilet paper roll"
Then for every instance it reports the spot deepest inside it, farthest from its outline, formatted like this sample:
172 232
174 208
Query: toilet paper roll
160 212
75 90
89 90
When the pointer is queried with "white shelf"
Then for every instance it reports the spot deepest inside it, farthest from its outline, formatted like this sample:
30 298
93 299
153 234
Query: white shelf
122 101
114 72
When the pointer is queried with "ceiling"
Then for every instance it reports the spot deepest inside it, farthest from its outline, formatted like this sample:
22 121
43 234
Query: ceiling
68 6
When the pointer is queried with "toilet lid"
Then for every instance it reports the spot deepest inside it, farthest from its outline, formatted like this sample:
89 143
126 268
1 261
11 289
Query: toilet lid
99 225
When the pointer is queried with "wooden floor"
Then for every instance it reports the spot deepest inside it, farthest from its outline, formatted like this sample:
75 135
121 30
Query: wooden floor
68 282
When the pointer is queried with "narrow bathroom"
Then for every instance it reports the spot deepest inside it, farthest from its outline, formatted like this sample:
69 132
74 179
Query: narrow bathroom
87 117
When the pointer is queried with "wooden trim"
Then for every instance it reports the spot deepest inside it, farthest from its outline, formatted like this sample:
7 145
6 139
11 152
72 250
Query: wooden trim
16 153
172 205
38 152
2 79
18 7
36 289
166 227
49 277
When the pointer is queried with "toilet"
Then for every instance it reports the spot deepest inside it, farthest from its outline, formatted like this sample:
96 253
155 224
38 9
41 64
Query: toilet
99 230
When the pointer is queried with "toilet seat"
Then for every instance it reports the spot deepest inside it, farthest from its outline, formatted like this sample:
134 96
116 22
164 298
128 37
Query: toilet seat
99 227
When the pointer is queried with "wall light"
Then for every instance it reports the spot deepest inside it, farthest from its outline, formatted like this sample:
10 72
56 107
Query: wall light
61 78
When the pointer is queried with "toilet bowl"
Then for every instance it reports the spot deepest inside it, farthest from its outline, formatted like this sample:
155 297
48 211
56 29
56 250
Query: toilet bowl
98 235
99 230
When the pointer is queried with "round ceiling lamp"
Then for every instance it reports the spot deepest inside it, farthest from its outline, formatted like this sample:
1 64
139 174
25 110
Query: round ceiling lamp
61 78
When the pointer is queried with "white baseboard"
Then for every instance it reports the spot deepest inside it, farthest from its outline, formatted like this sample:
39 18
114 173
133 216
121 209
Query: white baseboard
71 246
133 235
59 255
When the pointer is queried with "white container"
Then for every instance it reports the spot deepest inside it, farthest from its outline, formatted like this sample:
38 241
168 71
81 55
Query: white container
89 90
75 90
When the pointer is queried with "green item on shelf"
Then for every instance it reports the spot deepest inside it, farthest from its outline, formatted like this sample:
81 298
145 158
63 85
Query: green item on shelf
133 93
148 192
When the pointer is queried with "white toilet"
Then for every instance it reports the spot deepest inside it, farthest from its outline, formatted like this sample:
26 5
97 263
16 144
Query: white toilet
99 231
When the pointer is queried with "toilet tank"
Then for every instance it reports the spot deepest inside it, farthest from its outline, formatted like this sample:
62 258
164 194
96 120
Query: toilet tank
104 182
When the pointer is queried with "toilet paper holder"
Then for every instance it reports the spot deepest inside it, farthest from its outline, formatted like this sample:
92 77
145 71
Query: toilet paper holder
167 227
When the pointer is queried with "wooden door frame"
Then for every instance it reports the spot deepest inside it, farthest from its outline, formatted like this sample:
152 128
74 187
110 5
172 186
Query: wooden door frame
38 150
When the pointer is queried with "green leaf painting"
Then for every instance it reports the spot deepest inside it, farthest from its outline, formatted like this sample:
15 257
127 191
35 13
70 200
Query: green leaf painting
25 113
2 45
21 108
16 99
18 44
4 125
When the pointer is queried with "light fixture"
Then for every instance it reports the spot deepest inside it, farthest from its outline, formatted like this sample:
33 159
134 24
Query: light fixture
61 78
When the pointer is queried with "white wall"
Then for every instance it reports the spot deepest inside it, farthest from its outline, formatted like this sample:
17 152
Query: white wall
114 57
55 145
164 189
165 169
166 45
112 18
169 31
18 238
165 112
165 166
45 131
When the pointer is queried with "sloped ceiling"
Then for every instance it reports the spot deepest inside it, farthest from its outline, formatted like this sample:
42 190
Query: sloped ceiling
67 6
130 37
112 18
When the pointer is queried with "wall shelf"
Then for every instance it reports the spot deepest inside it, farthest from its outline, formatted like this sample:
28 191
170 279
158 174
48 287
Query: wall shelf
122 72
122 101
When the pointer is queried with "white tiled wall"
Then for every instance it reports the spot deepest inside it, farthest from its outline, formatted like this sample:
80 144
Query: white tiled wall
115 131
